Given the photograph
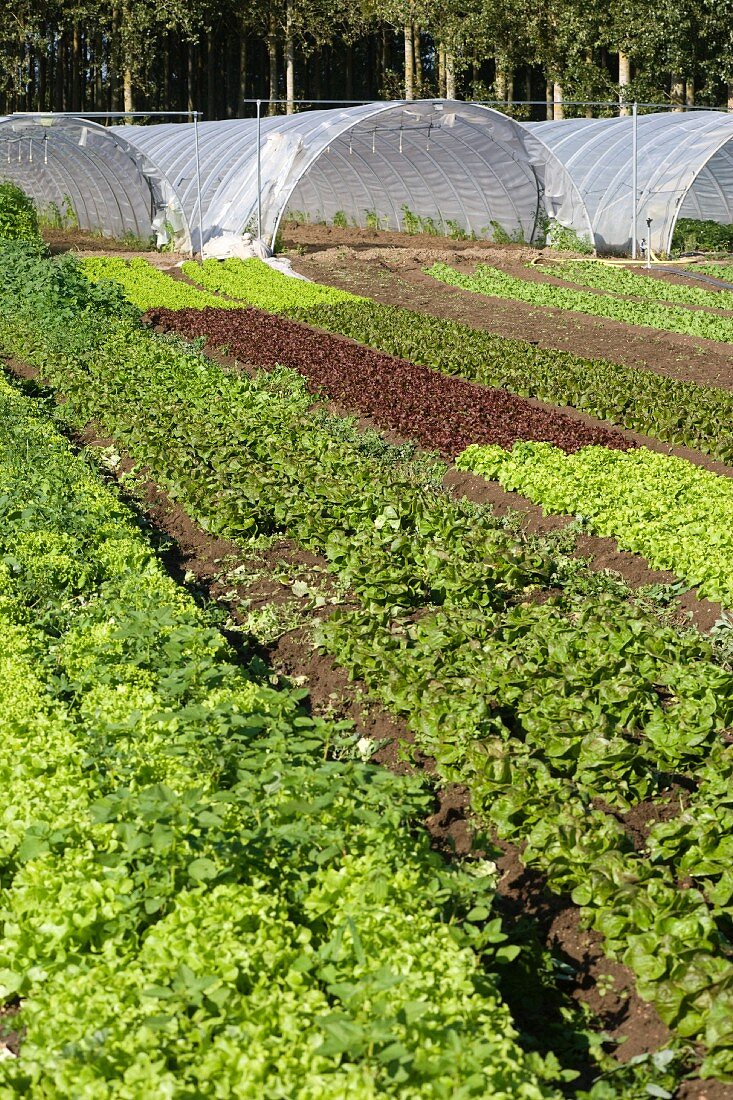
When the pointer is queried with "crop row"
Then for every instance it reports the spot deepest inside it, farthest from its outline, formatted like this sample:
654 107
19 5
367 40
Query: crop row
432 409
544 714
146 285
255 282
498 284
195 899
620 280
541 707
677 515
643 401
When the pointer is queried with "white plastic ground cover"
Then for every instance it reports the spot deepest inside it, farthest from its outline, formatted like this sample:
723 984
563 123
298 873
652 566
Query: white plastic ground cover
685 169
227 246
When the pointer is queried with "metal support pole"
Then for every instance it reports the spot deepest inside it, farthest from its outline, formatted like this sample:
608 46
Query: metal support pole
259 169
198 185
634 176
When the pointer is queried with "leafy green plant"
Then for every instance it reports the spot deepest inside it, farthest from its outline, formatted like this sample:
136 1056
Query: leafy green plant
457 232
411 222
258 285
146 286
619 280
499 235
677 515
565 239
692 234
18 217
373 220
340 220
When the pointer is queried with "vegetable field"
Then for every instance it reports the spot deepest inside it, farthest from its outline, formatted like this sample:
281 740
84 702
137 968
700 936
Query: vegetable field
258 831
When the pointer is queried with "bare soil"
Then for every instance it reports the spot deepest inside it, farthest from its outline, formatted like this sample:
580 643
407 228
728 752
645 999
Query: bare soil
395 276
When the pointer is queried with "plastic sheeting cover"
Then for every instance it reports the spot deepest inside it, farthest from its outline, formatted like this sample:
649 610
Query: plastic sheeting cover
77 164
461 165
685 168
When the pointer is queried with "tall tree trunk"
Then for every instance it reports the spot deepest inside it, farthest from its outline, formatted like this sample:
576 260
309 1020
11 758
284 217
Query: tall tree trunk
349 72
500 78
241 105
289 61
730 95
76 68
213 75
190 79
98 71
624 79
450 75
128 95
167 96
409 63
42 81
317 73
588 109
690 92
549 107
558 108
272 60
441 70
417 47
677 92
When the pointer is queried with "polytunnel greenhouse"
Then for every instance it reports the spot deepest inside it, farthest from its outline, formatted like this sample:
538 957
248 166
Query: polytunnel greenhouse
684 169
75 165
441 165
459 167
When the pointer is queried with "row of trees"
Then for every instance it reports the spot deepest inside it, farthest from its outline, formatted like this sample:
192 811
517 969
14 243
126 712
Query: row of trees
83 55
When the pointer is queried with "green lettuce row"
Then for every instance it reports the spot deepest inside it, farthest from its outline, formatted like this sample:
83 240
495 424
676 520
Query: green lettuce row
259 285
640 400
718 271
620 280
147 286
245 456
540 713
667 318
677 515
193 896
